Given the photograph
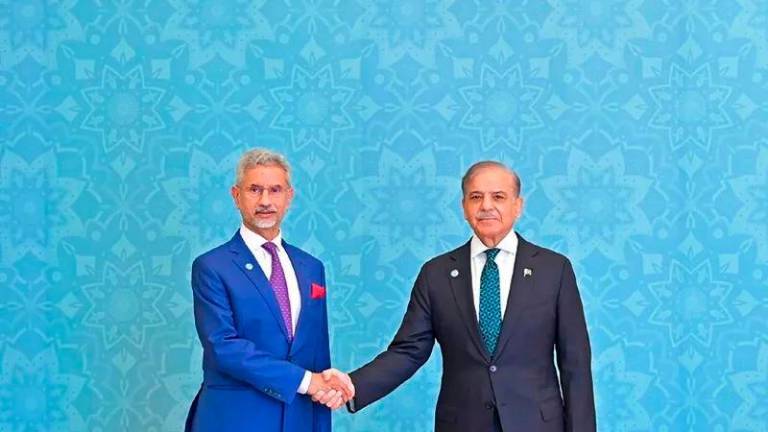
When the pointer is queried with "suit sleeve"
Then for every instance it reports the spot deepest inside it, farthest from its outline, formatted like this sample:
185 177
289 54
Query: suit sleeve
230 353
574 356
322 421
408 351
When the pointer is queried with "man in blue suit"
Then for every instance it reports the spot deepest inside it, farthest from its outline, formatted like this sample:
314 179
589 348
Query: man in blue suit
261 315
500 307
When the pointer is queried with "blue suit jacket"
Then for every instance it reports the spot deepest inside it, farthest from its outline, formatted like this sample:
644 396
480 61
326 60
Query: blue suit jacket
251 371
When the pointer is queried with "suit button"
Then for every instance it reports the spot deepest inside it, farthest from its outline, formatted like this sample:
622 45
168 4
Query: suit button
488 405
493 368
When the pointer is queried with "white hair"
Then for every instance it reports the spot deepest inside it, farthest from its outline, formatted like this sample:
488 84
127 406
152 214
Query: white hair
261 157
486 164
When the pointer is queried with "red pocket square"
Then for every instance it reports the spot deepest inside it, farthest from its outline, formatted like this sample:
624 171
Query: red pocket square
318 291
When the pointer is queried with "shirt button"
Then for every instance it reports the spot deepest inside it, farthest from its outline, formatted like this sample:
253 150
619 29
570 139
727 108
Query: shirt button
493 368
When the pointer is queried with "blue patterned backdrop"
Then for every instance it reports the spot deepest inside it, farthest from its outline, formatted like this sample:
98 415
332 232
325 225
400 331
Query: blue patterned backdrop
640 129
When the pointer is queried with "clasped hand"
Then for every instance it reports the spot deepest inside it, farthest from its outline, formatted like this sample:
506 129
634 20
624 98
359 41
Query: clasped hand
331 388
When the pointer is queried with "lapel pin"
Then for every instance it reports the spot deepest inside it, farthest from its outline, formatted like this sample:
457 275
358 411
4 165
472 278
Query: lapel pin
249 266
527 272
454 273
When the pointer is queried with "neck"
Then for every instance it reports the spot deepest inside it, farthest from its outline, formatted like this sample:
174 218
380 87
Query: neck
269 234
489 241
492 241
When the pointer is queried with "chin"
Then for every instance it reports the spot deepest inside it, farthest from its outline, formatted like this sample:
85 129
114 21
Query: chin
262 224
493 233
489 226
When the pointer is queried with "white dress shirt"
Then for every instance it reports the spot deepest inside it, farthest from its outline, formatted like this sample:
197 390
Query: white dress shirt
254 243
505 260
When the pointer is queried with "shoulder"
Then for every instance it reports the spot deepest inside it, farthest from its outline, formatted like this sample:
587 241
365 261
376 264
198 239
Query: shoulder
549 256
212 257
447 259
301 254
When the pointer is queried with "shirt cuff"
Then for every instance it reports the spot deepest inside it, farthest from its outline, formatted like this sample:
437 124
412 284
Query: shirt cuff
304 385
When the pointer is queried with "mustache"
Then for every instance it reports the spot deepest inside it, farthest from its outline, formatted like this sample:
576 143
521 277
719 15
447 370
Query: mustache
265 209
487 214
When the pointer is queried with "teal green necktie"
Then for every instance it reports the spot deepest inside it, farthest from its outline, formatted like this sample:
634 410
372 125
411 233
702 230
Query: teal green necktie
490 301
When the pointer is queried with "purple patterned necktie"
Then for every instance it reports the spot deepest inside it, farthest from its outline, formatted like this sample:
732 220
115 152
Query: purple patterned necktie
280 286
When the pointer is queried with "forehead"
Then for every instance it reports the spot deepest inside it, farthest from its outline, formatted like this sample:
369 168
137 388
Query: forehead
265 175
491 178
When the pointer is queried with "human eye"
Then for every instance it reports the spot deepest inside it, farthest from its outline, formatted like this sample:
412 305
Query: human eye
276 190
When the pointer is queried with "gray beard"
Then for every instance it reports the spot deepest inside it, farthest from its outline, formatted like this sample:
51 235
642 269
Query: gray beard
263 224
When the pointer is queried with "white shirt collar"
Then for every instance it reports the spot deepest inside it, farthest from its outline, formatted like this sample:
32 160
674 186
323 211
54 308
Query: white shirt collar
254 241
507 244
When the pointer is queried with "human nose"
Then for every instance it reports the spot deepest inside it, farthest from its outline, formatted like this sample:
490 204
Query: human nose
487 202
263 197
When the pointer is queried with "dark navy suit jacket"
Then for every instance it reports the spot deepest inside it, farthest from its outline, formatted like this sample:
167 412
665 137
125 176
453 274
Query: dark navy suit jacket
251 371
519 381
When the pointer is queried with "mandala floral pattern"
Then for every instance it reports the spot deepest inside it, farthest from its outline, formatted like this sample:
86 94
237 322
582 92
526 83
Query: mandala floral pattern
690 107
691 303
34 29
623 390
638 128
212 28
36 395
751 24
313 108
752 191
751 386
597 205
123 109
595 27
501 107
123 305
191 212
412 28
35 206
411 182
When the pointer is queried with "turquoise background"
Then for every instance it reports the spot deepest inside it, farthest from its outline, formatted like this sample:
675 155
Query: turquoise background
638 127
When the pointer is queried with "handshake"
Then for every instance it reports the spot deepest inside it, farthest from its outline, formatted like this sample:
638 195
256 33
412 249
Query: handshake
331 388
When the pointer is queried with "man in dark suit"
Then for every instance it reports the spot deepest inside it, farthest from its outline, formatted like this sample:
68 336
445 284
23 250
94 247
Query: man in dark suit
499 307
261 316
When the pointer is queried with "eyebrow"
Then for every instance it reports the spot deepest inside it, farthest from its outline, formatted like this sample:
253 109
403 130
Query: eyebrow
265 186
490 192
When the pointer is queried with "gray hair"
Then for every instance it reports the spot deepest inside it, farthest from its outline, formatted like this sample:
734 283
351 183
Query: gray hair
487 164
261 157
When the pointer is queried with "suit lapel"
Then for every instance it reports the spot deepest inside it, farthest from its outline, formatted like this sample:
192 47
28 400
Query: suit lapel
519 288
302 278
461 286
244 260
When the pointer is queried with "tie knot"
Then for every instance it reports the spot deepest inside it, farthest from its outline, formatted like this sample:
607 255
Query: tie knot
491 253
270 247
